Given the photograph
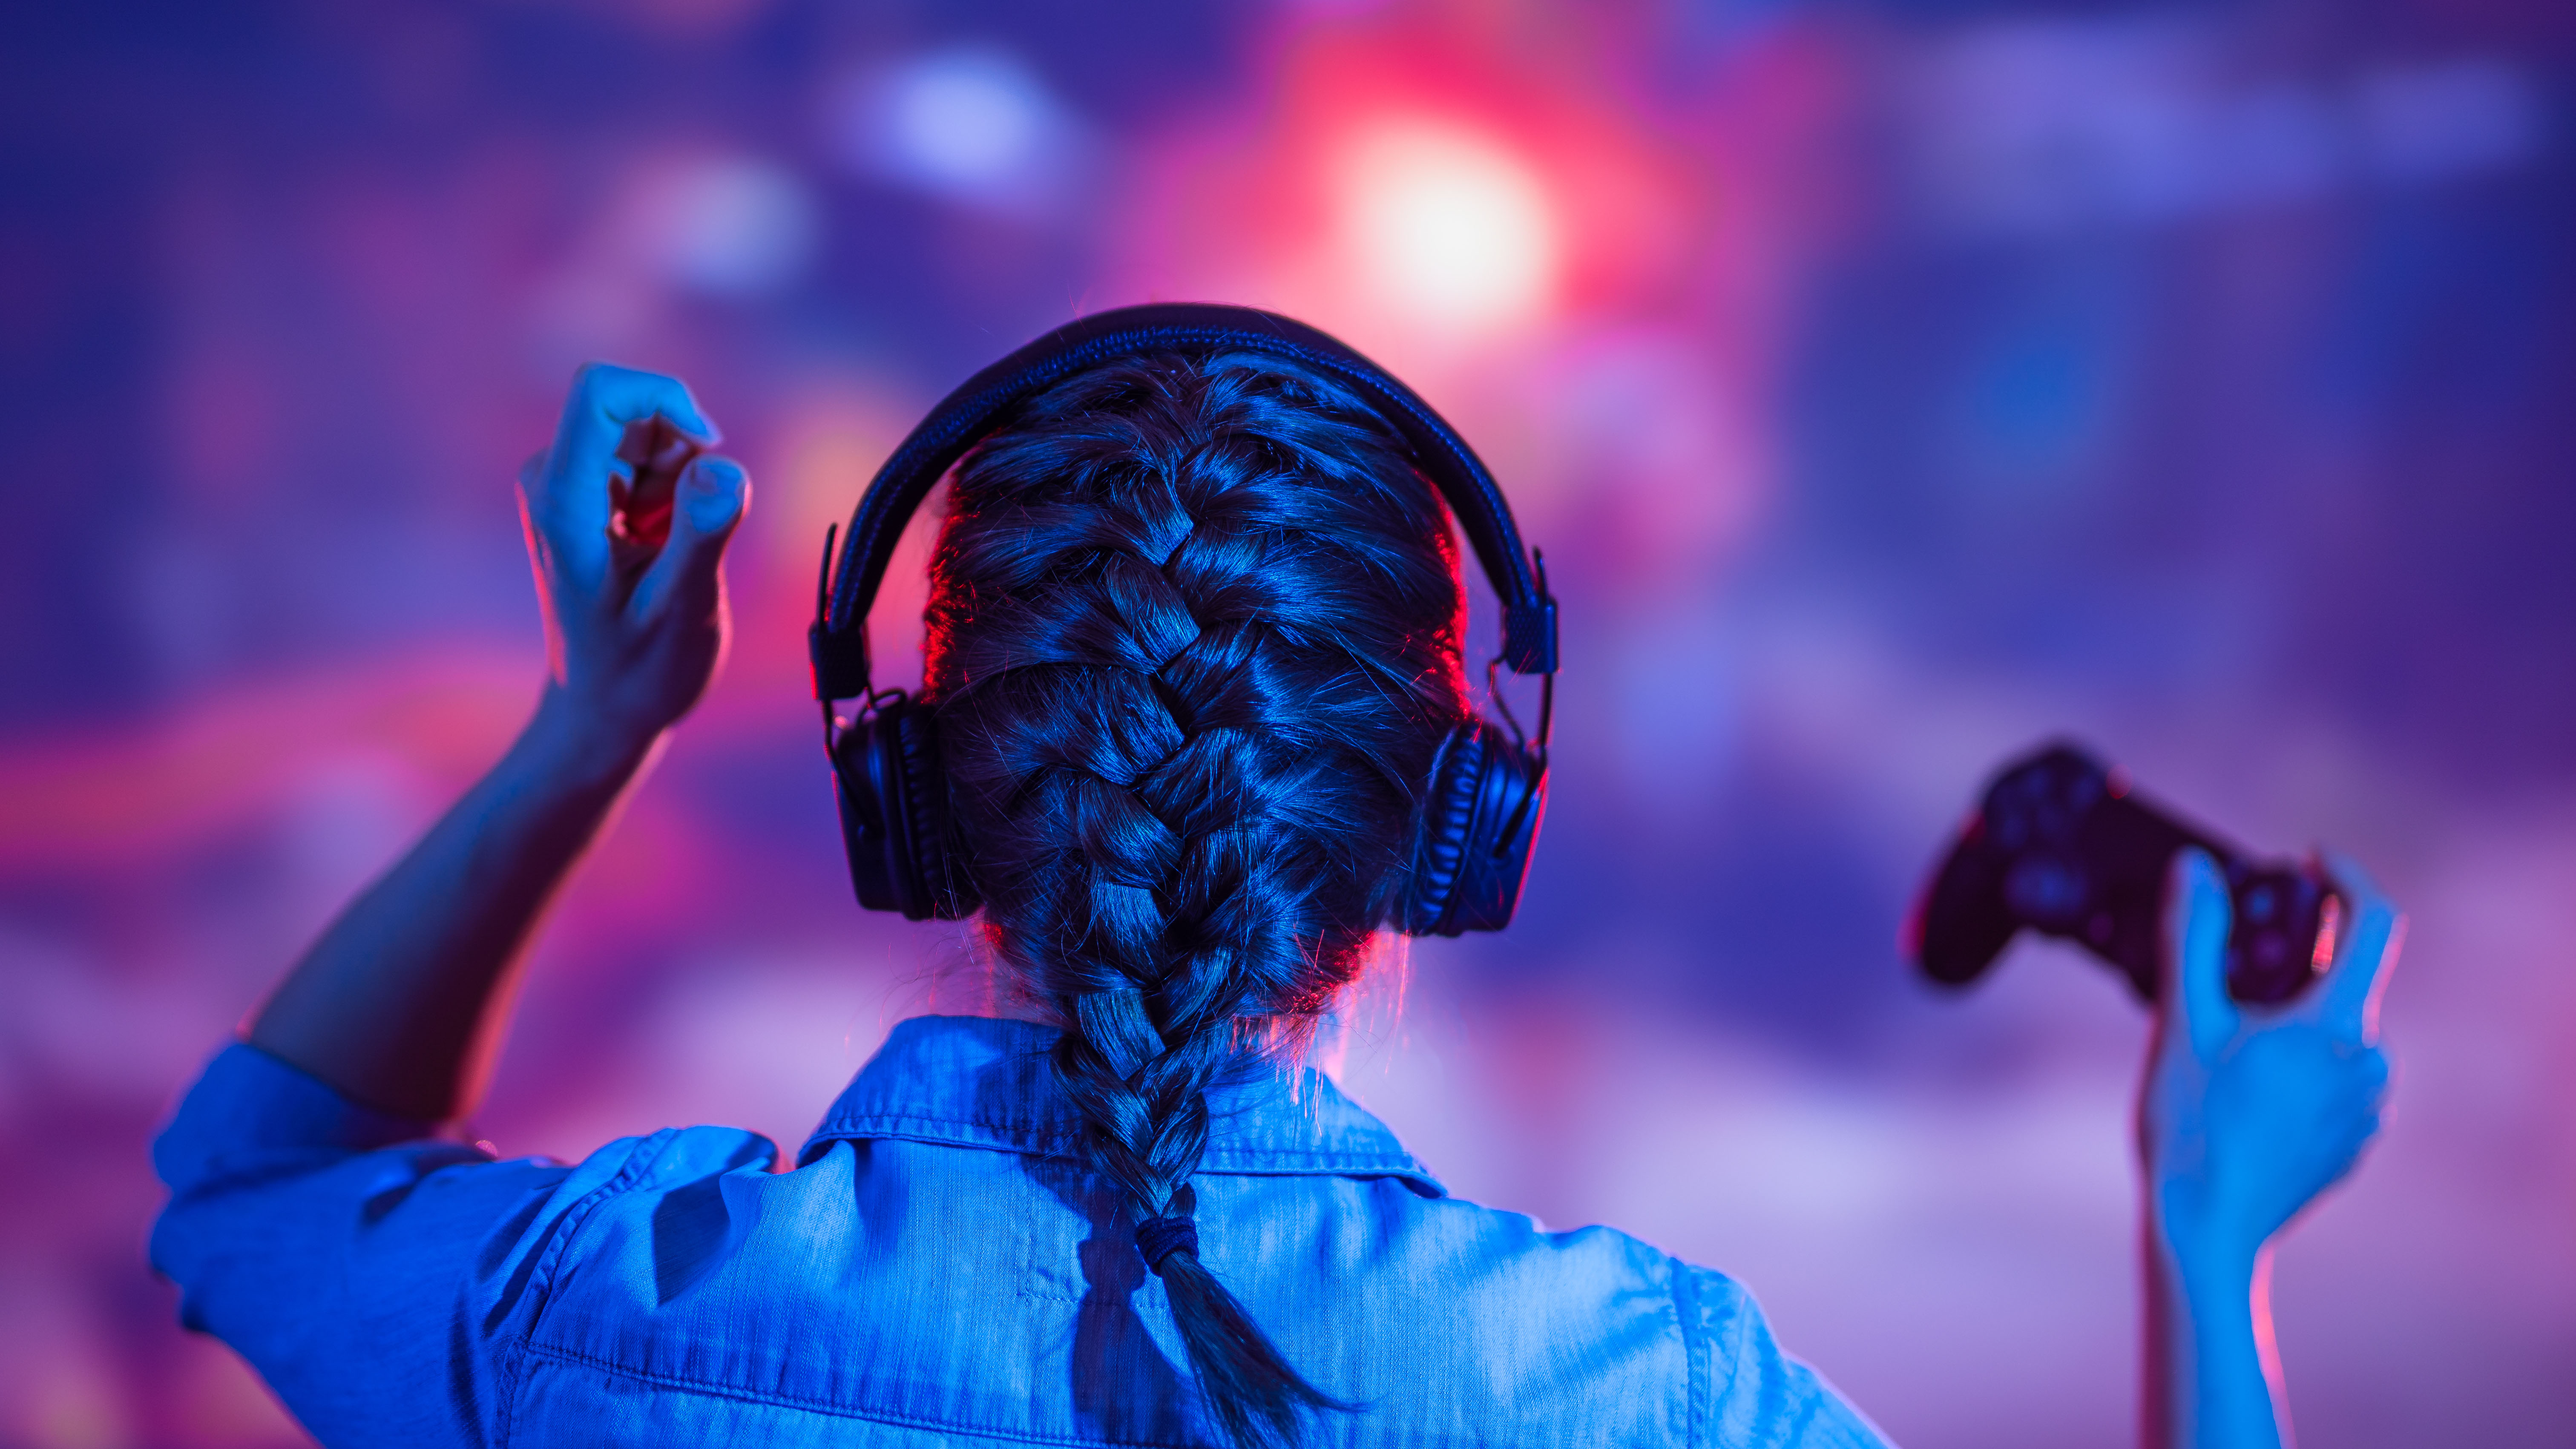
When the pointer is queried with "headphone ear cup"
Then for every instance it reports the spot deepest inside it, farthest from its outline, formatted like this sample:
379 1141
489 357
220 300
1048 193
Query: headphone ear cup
874 844
893 816
1479 825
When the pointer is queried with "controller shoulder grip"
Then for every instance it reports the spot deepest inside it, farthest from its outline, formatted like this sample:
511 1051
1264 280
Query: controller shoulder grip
1961 923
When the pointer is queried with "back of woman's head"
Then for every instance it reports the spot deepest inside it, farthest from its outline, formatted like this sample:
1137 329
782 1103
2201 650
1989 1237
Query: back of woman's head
1193 642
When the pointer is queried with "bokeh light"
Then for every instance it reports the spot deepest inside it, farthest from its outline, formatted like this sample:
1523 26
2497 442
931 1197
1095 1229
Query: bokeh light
728 227
1446 225
971 124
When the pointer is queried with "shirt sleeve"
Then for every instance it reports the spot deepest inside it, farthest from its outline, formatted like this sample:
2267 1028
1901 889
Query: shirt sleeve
381 1279
1745 1391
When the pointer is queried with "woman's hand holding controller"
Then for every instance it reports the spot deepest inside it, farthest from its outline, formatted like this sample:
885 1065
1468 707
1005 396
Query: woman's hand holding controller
2247 1113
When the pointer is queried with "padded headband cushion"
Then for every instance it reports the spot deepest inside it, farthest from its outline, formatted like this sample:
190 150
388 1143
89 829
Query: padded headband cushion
987 400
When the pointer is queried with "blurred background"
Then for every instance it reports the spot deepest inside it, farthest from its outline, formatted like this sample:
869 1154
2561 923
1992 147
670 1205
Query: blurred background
1892 384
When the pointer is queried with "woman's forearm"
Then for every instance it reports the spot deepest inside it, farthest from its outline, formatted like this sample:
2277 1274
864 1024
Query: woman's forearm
400 1004
2212 1378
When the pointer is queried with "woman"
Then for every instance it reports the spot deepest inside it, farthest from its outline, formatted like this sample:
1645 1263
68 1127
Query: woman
1194 638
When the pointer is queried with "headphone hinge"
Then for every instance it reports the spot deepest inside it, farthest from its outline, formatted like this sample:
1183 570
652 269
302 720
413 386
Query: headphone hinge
1529 629
840 660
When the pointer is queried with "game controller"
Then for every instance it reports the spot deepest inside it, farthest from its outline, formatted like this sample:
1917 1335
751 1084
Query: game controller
2062 845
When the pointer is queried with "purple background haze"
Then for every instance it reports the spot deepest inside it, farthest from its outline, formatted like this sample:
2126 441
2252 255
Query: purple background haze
1891 384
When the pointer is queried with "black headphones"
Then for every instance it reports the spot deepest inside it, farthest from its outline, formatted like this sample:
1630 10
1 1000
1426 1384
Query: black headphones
1488 783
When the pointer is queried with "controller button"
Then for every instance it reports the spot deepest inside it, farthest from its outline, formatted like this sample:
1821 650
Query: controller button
2046 889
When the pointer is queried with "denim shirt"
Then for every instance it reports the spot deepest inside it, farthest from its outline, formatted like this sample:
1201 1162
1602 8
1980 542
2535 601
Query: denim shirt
939 1268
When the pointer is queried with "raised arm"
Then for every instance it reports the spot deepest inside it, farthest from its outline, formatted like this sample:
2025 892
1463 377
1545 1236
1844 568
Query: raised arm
2247 1114
401 1002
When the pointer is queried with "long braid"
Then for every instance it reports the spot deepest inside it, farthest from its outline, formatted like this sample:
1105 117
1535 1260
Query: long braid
1193 640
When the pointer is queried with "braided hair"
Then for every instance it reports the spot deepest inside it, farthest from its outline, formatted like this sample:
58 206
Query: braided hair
1193 640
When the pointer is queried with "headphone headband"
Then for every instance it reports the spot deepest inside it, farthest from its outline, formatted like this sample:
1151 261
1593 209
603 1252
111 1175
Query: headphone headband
838 640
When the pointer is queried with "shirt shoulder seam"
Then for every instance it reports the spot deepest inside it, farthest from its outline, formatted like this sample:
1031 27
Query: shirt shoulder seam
1695 1355
641 1161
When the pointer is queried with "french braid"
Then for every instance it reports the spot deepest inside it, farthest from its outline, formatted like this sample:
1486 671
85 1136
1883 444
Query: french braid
1193 640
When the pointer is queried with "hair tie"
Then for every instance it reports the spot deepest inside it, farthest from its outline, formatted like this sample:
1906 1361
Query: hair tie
1160 1238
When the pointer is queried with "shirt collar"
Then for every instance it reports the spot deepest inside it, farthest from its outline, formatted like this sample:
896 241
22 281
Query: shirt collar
973 1081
